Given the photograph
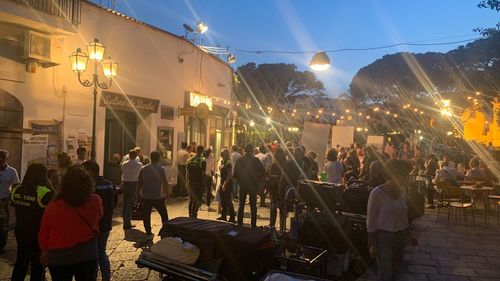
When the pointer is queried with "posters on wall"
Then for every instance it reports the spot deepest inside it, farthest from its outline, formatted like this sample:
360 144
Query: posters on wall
36 150
315 137
342 135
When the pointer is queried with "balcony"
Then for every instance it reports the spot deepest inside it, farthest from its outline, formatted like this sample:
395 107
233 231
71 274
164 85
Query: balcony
68 10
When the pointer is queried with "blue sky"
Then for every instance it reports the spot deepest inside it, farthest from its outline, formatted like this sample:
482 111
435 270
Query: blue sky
308 25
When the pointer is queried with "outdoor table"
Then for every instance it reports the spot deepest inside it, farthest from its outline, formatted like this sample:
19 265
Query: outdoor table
483 192
468 183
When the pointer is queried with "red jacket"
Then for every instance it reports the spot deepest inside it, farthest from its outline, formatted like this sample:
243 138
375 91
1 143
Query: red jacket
62 227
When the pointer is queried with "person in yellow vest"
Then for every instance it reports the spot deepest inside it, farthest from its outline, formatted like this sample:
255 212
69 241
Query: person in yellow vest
30 199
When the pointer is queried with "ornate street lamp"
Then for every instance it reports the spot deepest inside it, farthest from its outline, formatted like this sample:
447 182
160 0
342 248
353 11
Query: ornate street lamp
79 60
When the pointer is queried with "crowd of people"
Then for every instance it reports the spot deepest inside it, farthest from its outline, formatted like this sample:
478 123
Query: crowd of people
64 216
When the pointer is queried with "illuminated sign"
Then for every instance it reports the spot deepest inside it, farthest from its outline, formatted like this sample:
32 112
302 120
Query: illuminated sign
196 99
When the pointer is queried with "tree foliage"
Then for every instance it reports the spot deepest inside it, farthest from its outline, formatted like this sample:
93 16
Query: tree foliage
272 84
409 76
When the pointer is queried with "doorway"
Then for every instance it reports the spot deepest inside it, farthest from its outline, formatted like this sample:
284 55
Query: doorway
11 126
120 137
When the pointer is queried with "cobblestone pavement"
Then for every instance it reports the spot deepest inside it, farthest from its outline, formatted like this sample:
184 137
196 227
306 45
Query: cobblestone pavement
452 251
447 250
124 247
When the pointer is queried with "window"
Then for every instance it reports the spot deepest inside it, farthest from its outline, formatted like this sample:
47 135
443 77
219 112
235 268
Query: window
167 112
166 144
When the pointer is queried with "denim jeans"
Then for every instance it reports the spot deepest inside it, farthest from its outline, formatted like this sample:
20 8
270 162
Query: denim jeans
391 247
129 196
103 259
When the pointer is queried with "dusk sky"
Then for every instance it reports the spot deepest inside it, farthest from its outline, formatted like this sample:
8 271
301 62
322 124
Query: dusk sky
293 25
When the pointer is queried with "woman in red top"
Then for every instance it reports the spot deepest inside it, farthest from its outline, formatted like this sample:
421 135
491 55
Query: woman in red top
70 225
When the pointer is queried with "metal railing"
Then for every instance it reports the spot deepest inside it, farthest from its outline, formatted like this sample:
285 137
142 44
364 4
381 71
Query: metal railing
69 10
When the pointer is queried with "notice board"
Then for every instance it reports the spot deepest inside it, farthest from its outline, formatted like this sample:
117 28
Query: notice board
342 135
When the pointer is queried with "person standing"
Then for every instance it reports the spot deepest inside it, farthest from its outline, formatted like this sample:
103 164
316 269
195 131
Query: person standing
265 160
182 158
249 172
130 175
275 173
8 178
143 158
153 188
29 200
334 169
234 156
196 180
294 170
387 221
81 155
209 173
69 228
106 191
226 175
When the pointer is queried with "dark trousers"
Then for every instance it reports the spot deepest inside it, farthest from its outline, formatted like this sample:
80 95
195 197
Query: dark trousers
28 254
103 259
226 202
273 208
4 204
252 194
181 181
84 271
209 189
159 205
430 191
195 191
391 247
129 197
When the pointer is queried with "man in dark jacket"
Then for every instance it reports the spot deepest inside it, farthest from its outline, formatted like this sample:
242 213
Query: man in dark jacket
106 190
249 172
196 180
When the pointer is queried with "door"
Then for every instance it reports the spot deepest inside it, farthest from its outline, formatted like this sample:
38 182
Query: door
120 137
11 124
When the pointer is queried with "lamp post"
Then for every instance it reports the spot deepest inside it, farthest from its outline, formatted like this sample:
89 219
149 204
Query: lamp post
79 60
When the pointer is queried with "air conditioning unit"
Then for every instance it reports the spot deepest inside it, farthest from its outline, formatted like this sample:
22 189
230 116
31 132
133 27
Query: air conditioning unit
39 47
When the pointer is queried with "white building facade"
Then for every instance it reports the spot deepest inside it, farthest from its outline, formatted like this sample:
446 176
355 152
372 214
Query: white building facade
154 102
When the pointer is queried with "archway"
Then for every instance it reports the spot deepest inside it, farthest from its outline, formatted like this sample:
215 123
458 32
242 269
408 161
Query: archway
11 128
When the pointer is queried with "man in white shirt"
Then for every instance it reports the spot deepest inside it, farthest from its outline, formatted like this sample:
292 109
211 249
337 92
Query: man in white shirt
182 157
235 155
130 175
8 177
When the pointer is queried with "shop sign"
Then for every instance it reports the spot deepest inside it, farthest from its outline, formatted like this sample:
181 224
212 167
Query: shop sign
186 111
119 101
45 129
196 99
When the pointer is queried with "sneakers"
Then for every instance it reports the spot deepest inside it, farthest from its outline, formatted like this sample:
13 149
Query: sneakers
129 227
221 219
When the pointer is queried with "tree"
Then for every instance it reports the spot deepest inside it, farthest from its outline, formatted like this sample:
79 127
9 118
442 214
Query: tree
272 84
409 77
493 5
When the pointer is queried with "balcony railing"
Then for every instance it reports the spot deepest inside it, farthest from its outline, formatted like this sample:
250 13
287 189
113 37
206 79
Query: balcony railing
69 10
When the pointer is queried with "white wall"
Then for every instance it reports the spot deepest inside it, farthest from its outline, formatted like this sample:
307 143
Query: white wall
148 67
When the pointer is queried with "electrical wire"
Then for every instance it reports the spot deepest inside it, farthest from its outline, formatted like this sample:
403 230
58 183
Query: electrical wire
260 52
